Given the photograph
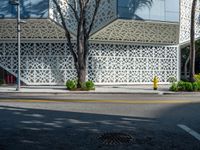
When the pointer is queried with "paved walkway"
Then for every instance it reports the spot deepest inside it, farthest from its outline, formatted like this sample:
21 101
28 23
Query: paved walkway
100 89
137 89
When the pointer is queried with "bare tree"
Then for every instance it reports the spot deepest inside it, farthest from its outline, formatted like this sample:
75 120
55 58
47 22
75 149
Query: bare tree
192 43
84 28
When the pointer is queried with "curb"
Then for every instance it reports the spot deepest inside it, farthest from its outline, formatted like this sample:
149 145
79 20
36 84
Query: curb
78 92
182 93
21 93
62 93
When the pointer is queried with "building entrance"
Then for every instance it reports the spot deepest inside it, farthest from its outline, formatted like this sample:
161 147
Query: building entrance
6 77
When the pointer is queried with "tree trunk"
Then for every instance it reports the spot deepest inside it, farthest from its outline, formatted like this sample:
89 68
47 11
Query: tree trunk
81 65
81 76
192 43
186 67
81 49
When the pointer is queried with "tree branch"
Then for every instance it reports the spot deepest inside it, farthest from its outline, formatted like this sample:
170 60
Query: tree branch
74 10
67 33
85 4
97 3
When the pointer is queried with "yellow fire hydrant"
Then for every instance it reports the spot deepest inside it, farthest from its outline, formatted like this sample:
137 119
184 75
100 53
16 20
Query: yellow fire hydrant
155 83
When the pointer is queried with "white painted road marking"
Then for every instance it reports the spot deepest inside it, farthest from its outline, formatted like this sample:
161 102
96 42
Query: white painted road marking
190 131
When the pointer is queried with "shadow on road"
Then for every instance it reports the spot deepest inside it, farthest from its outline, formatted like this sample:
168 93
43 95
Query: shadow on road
182 114
38 129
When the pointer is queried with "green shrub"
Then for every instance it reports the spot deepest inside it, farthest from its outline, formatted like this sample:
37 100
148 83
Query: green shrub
71 84
188 86
198 85
185 86
88 85
195 86
197 77
173 87
181 86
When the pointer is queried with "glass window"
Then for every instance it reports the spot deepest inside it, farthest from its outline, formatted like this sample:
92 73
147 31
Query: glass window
161 10
29 9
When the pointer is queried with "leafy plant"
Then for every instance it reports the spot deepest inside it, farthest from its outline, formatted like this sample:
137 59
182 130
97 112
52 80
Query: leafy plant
181 86
88 85
185 86
71 84
188 86
197 77
174 87
196 86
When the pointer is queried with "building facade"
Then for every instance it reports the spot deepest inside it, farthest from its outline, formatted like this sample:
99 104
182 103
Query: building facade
131 41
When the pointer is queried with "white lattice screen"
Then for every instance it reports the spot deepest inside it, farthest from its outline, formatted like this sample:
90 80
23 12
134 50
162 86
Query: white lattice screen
107 12
33 29
139 32
51 62
185 18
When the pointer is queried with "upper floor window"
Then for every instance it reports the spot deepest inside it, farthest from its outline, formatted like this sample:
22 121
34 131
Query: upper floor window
29 9
159 10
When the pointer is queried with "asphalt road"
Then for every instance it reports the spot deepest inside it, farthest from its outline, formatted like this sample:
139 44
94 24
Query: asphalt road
79 122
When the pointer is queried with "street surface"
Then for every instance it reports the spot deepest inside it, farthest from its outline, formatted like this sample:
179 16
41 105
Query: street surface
75 122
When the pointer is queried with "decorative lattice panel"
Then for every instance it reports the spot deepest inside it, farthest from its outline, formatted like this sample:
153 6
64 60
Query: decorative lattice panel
51 62
118 63
106 13
31 30
42 63
185 18
139 32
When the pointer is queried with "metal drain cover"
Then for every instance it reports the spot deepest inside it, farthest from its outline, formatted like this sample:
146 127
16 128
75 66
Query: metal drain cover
115 138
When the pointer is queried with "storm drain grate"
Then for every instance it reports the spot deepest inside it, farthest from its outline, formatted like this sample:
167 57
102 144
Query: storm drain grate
116 138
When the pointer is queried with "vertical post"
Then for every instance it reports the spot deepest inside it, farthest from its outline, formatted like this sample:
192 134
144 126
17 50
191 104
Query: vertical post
178 63
19 46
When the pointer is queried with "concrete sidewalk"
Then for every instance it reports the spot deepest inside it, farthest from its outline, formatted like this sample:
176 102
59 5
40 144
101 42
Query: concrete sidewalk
129 89
100 89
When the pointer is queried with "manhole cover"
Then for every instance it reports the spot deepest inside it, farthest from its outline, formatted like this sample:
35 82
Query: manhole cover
115 138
